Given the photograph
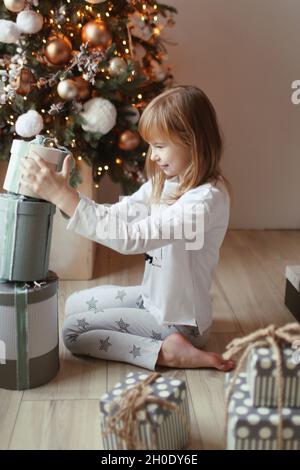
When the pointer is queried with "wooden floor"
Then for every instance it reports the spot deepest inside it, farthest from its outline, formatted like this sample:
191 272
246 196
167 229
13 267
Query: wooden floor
248 293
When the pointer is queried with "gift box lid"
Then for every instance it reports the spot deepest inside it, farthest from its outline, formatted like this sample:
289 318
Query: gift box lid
37 291
166 388
263 360
292 273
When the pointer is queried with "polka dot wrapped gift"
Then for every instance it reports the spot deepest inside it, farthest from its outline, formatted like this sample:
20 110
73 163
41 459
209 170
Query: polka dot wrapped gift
256 428
262 372
146 411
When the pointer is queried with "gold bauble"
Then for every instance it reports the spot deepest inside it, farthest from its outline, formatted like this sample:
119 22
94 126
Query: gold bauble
24 83
58 50
67 89
129 140
15 5
95 32
117 65
83 87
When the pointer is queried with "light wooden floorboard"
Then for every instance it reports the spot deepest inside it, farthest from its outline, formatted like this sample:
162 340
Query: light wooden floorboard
248 293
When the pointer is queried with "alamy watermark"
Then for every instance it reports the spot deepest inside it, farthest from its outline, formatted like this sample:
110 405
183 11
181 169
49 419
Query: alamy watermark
185 222
295 98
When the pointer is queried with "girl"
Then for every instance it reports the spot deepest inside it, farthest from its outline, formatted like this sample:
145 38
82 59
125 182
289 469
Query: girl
167 319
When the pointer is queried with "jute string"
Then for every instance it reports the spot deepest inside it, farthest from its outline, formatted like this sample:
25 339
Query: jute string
124 424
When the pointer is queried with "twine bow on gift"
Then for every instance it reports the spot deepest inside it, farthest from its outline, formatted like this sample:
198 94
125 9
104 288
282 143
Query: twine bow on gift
124 423
273 337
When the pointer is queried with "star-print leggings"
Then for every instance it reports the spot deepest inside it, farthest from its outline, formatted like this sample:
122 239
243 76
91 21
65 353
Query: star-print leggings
110 322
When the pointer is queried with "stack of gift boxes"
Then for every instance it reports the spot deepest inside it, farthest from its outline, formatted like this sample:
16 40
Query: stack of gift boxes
252 414
28 291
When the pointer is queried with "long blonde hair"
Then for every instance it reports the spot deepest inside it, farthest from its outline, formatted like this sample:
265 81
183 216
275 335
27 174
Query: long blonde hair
184 115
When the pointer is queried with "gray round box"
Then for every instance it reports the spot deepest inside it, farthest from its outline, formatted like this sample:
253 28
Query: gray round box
25 237
29 352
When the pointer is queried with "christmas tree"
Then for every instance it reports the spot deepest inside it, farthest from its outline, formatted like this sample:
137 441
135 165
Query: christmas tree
81 72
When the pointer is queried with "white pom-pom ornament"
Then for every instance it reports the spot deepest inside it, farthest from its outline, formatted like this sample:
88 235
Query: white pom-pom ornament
29 22
100 115
14 5
9 32
29 124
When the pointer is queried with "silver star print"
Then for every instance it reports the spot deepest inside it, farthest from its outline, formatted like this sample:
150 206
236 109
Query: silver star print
156 336
121 295
135 351
122 325
92 304
82 324
104 344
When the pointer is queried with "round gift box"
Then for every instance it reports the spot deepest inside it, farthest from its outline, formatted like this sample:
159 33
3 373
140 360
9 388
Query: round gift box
29 355
25 237
20 148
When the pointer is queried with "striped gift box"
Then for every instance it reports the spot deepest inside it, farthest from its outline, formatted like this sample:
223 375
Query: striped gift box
261 376
255 428
28 333
171 427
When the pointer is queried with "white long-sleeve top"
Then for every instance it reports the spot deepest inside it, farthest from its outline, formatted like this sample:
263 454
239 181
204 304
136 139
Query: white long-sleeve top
177 278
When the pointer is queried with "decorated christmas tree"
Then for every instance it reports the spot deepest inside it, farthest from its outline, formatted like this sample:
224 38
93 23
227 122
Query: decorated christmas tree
81 72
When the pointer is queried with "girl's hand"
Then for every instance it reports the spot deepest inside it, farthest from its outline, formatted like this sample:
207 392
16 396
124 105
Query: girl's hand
38 176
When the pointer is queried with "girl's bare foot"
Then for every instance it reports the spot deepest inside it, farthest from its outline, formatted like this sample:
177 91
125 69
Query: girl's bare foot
177 351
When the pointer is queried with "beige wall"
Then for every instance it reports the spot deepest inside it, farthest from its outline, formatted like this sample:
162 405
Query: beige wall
245 54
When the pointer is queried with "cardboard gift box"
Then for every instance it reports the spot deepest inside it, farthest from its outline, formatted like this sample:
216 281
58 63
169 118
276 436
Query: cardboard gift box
256 428
292 290
261 376
21 148
29 355
25 237
162 421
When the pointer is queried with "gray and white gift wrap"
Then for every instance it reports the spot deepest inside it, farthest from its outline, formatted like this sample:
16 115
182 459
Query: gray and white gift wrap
171 427
255 428
28 333
21 148
25 237
261 377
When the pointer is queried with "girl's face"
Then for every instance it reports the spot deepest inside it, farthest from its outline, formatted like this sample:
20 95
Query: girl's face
172 158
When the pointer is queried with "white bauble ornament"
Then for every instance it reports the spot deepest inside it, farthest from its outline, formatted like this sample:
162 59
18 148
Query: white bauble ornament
100 115
9 32
117 65
29 22
14 5
67 89
95 1
29 124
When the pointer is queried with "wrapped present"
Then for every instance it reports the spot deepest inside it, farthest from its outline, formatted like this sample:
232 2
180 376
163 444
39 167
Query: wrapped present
29 332
25 237
262 376
292 290
258 428
54 155
146 411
